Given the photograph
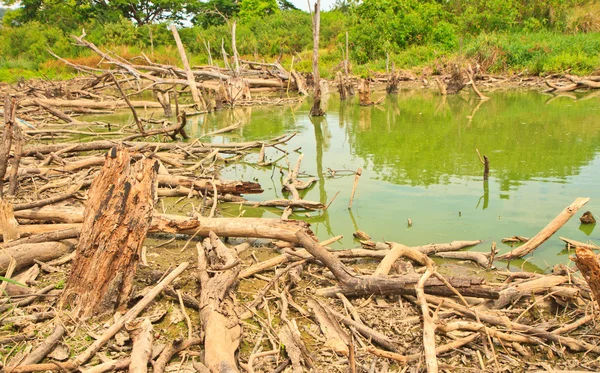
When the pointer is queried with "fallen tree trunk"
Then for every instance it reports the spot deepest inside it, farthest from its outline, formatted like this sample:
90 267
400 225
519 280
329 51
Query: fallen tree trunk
219 320
545 233
116 219
106 144
223 186
90 104
224 227
349 284
26 254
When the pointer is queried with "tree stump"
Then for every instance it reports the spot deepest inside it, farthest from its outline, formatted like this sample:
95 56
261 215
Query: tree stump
341 86
364 93
116 219
589 265
393 81
455 84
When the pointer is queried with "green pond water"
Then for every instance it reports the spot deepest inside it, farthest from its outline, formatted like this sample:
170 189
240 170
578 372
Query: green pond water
417 152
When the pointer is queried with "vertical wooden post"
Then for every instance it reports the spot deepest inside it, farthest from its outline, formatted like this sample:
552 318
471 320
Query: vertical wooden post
236 60
188 71
13 178
7 135
316 110
346 65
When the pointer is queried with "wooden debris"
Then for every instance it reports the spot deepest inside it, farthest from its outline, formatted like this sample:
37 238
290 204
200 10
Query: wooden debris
545 233
589 265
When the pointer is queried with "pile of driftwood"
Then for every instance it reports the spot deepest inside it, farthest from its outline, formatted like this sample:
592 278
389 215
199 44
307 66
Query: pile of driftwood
211 87
79 223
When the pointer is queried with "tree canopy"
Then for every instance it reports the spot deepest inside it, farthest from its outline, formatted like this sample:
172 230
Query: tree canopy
66 12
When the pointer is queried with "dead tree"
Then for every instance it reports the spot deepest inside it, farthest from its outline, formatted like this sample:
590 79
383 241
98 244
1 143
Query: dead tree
116 219
316 110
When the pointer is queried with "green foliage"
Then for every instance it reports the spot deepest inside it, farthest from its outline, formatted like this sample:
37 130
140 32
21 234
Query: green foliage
539 53
397 24
2 12
257 8
501 35
215 12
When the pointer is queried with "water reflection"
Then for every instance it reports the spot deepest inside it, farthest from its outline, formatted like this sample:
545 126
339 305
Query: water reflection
417 150
436 137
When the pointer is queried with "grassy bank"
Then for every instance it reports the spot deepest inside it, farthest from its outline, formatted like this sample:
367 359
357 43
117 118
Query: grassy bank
570 46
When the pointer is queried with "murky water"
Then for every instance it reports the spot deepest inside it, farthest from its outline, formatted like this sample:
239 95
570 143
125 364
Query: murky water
417 151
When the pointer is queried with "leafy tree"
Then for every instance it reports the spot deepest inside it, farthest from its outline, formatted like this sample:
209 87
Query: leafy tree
286 5
146 12
257 8
66 14
215 12
2 11
71 13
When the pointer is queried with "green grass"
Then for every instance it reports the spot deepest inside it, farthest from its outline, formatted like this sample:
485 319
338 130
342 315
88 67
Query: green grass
535 53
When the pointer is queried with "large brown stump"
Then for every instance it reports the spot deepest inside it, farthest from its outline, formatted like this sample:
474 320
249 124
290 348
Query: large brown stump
589 265
116 219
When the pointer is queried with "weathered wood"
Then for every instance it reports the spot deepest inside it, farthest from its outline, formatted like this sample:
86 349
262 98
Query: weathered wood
223 186
26 254
44 348
141 352
571 244
589 265
219 321
13 179
116 219
9 227
111 331
316 110
224 227
513 293
105 144
349 284
7 136
364 92
483 259
90 104
335 337
545 233
198 100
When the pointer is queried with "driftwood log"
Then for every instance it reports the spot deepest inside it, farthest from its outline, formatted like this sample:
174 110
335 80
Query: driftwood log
545 233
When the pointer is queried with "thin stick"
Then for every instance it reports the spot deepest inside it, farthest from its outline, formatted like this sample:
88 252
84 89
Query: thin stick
187 317
356 177
138 122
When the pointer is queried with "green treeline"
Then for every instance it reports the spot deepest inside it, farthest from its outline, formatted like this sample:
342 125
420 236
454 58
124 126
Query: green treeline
535 36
